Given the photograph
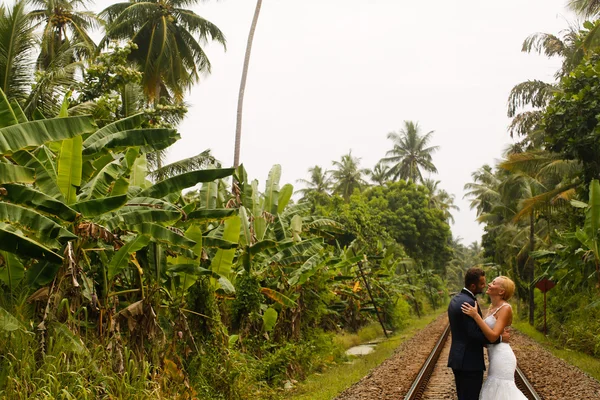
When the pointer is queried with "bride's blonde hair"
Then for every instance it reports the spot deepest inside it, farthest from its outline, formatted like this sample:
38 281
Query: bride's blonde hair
508 285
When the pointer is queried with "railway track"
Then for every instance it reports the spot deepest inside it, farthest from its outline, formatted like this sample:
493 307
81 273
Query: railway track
436 381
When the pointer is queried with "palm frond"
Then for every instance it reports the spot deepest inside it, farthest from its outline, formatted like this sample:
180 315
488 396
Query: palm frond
194 163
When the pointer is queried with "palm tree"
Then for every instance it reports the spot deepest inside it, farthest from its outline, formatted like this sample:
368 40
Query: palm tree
16 47
440 199
64 24
410 153
586 8
483 191
347 176
534 95
168 40
319 182
379 173
238 127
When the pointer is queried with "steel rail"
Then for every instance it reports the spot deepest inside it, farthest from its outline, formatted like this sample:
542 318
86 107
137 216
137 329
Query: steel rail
420 383
524 385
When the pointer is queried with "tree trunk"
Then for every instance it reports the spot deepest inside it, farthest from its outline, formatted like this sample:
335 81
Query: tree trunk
238 127
530 268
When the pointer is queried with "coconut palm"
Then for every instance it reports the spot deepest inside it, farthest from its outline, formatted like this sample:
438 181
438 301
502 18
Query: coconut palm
586 8
16 47
347 175
64 22
319 182
168 39
440 199
534 95
238 127
410 154
379 173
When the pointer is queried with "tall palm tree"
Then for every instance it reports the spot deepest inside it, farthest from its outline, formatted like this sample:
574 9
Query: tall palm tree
238 127
16 46
379 173
527 99
64 22
168 39
440 199
410 153
586 8
319 182
347 175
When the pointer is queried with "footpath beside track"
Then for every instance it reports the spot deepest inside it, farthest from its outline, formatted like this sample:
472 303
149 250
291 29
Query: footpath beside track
540 375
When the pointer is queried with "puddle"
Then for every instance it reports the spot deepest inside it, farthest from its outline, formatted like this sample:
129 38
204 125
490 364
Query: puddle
361 350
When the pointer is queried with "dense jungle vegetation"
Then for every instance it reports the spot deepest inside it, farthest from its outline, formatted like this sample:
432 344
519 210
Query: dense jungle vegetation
123 277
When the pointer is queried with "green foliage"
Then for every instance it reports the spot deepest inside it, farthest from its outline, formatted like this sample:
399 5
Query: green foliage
570 120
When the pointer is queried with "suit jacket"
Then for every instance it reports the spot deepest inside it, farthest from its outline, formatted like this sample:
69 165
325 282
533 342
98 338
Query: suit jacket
466 351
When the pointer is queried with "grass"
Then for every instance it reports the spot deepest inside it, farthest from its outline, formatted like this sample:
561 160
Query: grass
585 362
329 384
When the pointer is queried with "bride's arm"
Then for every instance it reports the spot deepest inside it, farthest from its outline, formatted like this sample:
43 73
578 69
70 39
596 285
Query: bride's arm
503 318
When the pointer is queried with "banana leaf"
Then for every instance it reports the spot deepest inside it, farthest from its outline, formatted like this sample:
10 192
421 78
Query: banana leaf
45 175
210 241
121 125
10 173
8 323
149 139
22 246
222 262
141 215
195 233
26 196
12 270
35 133
41 228
96 207
285 194
272 190
68 176
308 269
177 183
121 258
101 184
212 214
163 235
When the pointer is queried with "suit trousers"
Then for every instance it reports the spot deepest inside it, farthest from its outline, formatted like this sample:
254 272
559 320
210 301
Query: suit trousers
468 384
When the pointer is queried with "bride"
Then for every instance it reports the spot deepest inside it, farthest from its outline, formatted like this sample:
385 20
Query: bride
500 382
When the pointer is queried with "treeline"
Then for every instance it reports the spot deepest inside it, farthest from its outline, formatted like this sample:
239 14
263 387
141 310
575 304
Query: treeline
116 284
539 205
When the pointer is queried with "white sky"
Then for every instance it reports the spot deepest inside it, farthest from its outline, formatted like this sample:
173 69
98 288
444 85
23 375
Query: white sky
327 76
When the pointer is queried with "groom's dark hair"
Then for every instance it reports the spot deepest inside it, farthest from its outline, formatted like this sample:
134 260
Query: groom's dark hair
472 276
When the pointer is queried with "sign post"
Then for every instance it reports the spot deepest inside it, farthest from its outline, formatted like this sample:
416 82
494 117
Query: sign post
544 285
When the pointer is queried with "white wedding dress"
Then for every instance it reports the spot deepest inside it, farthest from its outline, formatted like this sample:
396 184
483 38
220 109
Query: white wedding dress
500 382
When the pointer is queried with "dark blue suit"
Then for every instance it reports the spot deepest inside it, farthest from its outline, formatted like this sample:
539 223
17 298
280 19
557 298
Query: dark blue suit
466 351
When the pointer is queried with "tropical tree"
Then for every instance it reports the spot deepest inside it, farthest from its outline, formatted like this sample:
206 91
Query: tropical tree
440 199
16 47
319 182
586 8
347 176
410 153
238 127
64 24
379 173
528 99
168 39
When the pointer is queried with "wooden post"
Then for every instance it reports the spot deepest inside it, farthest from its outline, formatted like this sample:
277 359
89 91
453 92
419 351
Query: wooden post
371 296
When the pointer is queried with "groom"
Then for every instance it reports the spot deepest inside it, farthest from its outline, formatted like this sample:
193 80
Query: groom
466 351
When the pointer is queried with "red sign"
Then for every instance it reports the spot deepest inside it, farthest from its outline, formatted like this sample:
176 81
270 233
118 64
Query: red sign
545 284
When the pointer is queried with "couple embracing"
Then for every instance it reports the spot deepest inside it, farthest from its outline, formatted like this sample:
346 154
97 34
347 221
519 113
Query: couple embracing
471 332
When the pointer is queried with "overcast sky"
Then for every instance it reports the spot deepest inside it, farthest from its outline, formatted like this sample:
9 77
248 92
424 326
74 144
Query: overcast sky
329 76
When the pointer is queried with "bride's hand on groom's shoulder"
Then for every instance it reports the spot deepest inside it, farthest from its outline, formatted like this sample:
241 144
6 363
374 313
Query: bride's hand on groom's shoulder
468 309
